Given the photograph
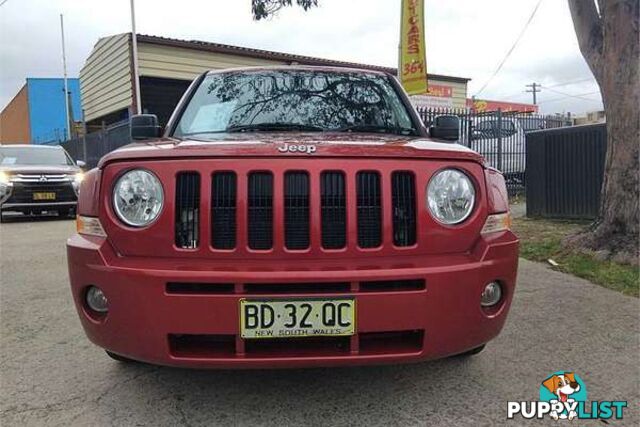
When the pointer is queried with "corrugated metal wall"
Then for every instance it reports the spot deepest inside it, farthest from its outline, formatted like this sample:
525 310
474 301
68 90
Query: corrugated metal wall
106 81
186 64
565 169
105 78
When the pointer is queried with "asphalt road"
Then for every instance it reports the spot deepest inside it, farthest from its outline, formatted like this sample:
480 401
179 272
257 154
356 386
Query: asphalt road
51 374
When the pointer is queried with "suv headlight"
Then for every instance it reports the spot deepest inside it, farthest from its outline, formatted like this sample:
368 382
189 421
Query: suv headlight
450 196
76 180
138 198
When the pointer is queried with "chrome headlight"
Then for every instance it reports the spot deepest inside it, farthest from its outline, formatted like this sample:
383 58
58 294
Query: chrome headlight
76 180
450 196
138 198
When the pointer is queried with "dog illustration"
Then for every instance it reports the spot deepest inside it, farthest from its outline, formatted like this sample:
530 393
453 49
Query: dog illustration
562 386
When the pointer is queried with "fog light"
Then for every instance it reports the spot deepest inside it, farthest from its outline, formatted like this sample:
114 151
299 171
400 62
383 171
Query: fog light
96 299
491 294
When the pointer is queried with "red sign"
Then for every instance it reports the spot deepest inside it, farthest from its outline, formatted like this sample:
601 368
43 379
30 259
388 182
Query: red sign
440 91
482 105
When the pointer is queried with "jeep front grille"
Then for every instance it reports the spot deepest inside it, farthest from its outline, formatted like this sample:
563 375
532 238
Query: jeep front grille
260 206
333 205
369 209
404 208
223 210
296 210
187 210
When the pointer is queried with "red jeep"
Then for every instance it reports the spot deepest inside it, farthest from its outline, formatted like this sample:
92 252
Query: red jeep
289 217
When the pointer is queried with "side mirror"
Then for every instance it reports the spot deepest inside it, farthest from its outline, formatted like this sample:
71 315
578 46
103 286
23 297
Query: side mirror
144 126
445 127
81 164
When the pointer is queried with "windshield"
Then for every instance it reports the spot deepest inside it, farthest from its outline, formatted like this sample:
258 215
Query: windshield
303 100
33 156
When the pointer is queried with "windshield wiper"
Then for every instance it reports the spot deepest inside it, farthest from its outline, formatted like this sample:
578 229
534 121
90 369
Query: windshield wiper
375 128
273 126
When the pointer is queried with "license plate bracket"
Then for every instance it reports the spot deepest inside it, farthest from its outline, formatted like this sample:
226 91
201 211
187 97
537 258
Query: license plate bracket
297 318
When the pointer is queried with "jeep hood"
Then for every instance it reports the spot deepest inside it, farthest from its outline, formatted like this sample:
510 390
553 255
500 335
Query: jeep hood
271 144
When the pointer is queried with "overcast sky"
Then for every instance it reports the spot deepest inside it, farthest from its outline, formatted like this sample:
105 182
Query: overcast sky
466 38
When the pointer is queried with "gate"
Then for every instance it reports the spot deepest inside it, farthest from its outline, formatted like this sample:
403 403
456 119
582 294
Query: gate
566 171
500 137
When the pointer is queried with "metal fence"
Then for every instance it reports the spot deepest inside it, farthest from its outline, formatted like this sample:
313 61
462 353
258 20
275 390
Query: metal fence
91 147
566 169
500 137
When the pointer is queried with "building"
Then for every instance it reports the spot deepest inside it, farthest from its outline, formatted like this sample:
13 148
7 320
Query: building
36 115
485 105
167 66
591 117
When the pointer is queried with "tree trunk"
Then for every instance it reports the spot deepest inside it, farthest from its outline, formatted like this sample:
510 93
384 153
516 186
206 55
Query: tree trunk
610 42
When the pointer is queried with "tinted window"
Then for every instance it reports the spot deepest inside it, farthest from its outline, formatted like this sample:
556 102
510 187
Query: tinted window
313 100
33 156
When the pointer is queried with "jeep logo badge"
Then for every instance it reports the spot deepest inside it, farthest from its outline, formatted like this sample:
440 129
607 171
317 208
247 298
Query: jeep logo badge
302 148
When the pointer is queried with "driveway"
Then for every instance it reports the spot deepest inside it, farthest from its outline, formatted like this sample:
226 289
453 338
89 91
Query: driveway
51 374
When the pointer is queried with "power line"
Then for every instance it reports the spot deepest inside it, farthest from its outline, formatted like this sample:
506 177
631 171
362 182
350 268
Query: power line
569 94
572 82
522 93
3 2
572 96
526 25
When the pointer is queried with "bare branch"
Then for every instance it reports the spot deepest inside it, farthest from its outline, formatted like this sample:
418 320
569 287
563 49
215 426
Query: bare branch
589 30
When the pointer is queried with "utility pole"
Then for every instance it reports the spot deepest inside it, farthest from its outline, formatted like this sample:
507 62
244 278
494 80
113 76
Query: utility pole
67 128
134 51
535 88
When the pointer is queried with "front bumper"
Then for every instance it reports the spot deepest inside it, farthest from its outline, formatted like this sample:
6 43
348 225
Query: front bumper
147 323
18 196
37 206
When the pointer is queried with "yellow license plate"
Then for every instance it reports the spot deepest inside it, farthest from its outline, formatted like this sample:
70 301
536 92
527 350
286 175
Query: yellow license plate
297 318
44 196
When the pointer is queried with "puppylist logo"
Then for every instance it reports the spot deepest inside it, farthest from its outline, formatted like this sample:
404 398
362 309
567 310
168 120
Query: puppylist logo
563 396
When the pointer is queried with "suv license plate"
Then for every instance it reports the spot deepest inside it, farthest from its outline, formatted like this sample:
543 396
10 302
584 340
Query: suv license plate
297 318
44 196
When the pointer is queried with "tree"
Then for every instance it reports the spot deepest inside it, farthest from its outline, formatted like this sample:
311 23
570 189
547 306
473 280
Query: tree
264 8
609 39
608 34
